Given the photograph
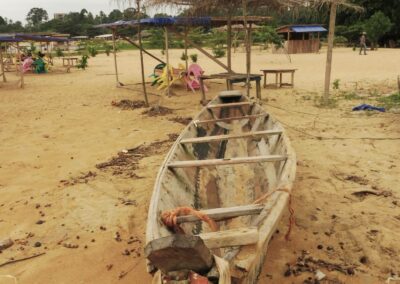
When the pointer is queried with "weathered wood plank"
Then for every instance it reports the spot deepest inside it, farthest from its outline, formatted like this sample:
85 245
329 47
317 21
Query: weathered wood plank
177 252
231 118
218 214
228 238
230 105
229 136
222 162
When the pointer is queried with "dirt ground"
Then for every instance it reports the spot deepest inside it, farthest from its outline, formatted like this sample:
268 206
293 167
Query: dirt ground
77 172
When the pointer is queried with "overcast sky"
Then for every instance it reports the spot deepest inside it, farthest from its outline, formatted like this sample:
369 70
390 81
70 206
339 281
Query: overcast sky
18 9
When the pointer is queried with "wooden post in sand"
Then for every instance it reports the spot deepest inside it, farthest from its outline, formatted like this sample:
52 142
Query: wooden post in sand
21 73
332 22
115 57
398 83
186 49
248 47
146 100
229 40
3 74
167 57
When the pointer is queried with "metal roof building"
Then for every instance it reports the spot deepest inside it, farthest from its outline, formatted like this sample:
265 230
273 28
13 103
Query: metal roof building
301 38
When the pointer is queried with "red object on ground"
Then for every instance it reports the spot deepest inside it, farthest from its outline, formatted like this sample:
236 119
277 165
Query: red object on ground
197 279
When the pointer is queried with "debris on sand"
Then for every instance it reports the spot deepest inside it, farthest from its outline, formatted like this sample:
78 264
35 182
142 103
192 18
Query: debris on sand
128 104
128 202
158 111
357 179
181 120
306 263
5 244
364 193
126 161
83 178
71 246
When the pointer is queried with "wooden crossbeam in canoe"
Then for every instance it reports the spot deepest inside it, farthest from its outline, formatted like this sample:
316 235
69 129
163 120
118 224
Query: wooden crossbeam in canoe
229 136
230 238
218 214
231 118
230 105
224 162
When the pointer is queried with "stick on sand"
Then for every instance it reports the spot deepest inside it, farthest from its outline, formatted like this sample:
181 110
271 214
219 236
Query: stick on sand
21 259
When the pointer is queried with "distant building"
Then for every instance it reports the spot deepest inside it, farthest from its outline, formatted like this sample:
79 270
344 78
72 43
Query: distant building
301 38
59 16
105 37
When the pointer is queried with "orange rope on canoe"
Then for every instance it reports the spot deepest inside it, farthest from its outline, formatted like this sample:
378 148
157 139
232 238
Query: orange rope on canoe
169 218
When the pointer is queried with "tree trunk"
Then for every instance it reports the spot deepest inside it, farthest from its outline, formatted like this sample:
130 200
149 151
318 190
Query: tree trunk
331 36
146 100
248 47
115 58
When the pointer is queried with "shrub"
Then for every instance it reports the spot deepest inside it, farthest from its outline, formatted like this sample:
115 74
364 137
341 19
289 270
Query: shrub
59 52
107 48
83 62
340 40
92 50
218 51
193 57
336 84
184 57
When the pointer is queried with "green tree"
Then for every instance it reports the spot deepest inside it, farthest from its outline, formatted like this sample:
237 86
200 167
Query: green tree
268 35
36 16
115 15
377 26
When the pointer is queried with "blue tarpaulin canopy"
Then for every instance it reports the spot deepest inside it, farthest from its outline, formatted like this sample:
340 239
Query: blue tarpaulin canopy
23 37
161 22
301 29
9 39
308 29
40 38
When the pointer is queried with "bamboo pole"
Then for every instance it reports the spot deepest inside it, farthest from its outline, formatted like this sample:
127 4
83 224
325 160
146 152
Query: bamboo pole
229 40
202 50
115 58
167 57
142 49
186 49
146 100
244 4
331 35
20 67
2 65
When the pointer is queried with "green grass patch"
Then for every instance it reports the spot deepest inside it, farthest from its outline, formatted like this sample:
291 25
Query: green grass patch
351 96
389 102
322 102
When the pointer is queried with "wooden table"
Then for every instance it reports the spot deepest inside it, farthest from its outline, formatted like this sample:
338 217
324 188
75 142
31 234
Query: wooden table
70 61
279 73
231 78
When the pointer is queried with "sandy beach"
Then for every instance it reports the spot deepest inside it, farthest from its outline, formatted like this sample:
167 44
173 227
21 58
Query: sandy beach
64 192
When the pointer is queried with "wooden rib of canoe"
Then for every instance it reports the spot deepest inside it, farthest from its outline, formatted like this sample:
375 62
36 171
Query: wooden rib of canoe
229 156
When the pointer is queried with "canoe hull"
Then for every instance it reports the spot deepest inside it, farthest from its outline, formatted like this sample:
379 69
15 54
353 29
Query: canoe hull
222 159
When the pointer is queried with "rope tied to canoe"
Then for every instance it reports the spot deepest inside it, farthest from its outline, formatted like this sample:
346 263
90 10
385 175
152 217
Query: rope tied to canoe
169 218
291 210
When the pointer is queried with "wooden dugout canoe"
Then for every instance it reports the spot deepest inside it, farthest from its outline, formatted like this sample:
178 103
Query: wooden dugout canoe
231 154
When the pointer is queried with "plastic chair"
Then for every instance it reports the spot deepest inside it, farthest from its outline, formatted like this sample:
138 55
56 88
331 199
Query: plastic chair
175 74
192 77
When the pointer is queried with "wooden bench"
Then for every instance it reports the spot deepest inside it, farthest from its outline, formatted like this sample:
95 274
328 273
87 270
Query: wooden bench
70 61
231 78
278 77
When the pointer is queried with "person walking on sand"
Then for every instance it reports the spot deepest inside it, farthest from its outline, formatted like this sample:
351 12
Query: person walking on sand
363 43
